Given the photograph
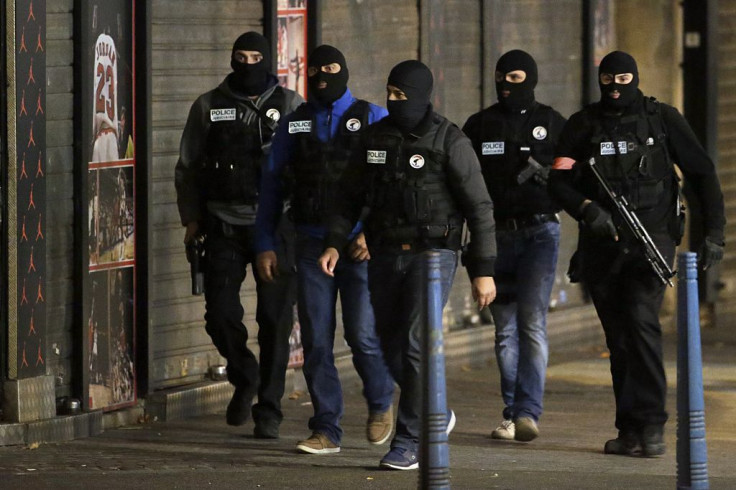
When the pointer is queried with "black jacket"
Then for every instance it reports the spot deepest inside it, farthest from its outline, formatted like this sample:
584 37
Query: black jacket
504 141
570 188
464 181
193 148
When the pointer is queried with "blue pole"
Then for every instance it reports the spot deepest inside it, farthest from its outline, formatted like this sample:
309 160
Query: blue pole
692 457
434 454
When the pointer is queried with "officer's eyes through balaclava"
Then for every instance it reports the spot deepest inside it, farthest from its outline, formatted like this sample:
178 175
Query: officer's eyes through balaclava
614 94
514 91
327 85
415 80
250 78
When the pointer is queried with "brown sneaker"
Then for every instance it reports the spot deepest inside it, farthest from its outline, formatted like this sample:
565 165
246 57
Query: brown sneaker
317 444
379 426
526 429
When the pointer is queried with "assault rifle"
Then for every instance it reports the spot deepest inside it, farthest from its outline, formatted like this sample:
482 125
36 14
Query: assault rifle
195 256
533 169
659 265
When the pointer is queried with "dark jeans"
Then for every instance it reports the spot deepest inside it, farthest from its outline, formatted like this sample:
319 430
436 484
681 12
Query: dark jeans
525 273
227 258
317 301
627 297
398 284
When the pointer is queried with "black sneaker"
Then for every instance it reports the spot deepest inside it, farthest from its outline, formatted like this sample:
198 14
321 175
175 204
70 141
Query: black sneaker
626 444
652 441
266 429
238 410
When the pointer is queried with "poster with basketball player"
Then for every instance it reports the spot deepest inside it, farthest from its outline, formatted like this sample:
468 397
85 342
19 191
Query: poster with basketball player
108 132
291 40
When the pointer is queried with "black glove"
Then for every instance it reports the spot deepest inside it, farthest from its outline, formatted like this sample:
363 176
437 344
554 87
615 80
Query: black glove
542 176
711 253
599 221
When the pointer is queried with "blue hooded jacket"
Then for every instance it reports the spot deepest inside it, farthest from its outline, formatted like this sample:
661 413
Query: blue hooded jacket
271 199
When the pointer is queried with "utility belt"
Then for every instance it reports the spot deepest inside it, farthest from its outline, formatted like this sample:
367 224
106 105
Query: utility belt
513 224
414 239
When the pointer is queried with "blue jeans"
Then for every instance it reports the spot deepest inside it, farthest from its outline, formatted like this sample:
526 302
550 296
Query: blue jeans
398 284
317 295
525 273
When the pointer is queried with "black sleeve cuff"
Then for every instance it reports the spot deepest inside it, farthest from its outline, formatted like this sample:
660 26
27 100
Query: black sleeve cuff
336 240
480 267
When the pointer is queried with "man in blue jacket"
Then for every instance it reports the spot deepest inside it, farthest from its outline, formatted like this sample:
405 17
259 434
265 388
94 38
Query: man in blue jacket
311 149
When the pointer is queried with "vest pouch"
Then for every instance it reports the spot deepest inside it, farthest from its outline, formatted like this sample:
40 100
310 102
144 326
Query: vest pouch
646 194
225 182
417 205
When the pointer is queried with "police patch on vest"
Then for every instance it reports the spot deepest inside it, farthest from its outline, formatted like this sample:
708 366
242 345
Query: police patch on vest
273 114
376 156
492 148
607 148
539 133
353 124
300 127
222 114
416 161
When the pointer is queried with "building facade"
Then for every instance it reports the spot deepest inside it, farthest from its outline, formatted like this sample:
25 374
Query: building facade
96 288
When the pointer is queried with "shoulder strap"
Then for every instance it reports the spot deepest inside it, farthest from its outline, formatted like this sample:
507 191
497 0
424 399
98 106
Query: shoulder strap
441 136
270 123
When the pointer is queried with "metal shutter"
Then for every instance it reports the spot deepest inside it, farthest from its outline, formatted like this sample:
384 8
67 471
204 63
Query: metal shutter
373 36
726 141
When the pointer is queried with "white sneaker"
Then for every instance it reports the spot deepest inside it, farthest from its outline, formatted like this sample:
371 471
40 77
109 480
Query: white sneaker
451 422
505 431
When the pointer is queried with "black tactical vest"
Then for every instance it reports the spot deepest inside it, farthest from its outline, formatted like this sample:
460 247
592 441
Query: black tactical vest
503 152
410 201
234 147
634 157
312 175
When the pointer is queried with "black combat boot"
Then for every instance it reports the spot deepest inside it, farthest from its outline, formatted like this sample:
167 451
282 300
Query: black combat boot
266 428
626 444
238 410
652 441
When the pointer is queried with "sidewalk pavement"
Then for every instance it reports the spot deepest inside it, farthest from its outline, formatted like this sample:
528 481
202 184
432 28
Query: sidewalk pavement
204 452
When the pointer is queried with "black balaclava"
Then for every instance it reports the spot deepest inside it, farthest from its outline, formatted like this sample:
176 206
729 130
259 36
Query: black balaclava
251 79
615 63
521 95
337 83
415 80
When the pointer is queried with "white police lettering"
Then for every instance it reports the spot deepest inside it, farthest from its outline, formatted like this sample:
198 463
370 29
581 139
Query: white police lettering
539 133
376 156
222 114
492 147
608 149
300 127
353 124
416 161
273 114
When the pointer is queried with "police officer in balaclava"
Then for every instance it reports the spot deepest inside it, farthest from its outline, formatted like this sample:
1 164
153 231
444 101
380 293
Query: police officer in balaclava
618 81
311 150
419 179
635 141
327 74
514 140
226 137
414 80
251 64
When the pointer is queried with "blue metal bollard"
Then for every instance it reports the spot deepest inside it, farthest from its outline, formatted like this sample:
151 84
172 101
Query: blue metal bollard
692 457
434 455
